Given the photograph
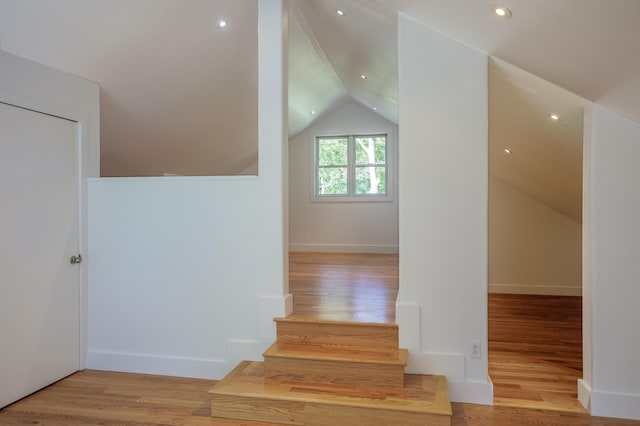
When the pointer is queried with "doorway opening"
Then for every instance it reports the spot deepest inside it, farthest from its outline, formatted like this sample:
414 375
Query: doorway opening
343 200
535 240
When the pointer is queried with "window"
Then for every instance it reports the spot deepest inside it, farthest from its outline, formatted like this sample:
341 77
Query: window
353 167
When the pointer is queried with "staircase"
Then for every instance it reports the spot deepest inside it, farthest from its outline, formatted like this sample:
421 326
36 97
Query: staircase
322 372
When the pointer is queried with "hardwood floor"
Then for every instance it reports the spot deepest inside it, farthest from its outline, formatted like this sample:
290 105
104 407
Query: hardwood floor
93 398
344 286
535 343
526 334
535 350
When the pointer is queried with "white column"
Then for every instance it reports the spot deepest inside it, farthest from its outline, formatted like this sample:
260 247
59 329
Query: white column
442 301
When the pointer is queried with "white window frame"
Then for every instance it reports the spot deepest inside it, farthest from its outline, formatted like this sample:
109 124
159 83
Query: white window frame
351 195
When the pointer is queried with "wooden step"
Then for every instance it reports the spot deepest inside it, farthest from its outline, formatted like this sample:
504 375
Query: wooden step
356 365
245 395
298 329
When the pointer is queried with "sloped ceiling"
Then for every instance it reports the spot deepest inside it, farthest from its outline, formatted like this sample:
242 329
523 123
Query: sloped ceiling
314 85
179 95
589 47
545 155
331 51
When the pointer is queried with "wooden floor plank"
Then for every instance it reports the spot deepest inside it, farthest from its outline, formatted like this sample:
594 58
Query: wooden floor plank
535 350
415 396
534 341
540 360
344 286
92 398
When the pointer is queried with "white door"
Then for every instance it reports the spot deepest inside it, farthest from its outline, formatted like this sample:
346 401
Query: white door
39 232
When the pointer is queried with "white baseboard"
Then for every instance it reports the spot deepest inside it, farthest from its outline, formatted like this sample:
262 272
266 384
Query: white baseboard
270 307
584 394
153 364
540 290
618 405
238 350
471 392
246 350
344 248
452 365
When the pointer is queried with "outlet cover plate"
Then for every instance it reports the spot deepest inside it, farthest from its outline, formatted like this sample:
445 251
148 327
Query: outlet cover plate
474 349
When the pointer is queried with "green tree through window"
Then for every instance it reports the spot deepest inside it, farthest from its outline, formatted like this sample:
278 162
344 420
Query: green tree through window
333 160
370 164
351 166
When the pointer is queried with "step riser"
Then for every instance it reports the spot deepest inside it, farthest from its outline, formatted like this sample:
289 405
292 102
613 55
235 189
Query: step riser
338 372
314 414
327 415
338 334
258 409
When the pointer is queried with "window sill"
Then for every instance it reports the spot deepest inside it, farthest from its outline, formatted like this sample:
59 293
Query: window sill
351 199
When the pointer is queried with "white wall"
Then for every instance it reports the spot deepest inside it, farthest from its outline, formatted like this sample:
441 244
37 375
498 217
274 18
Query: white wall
615 266
186 274
340 226
532 248
442 301
57 93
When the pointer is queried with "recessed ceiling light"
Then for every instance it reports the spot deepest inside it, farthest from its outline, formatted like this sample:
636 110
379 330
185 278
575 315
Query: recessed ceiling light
362 76
374 108
502 12
313 112
222 24
554 117
340 12
508 151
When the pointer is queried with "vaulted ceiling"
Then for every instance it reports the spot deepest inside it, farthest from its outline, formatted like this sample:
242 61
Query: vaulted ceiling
331 53
179 94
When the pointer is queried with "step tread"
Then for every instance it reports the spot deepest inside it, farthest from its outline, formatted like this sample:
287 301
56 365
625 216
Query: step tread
328 352
420 394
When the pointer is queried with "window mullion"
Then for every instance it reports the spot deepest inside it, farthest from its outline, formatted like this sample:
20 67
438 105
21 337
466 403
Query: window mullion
351 169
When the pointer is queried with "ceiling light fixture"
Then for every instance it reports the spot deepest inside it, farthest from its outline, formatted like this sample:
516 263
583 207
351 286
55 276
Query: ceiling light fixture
340 12
502 12
508 151
374 108
554 117
222 24
313 112
362 76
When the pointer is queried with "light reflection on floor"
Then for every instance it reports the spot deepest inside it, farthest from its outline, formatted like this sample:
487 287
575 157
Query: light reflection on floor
346 287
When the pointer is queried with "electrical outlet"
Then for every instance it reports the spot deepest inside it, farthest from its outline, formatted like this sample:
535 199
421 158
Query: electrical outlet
475 350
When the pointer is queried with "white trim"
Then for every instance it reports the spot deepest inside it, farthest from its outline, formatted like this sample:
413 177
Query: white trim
246 350
541 290
618 405
343 248
584 394
471 392
270 307
162 365
391 179
351 199
176 178
452 365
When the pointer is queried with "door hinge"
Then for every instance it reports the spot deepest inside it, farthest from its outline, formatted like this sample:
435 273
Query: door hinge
75 259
